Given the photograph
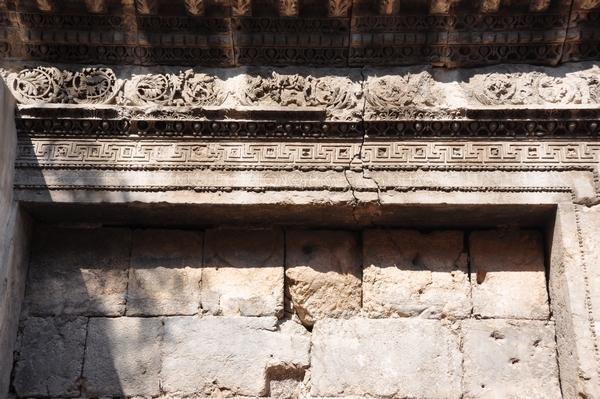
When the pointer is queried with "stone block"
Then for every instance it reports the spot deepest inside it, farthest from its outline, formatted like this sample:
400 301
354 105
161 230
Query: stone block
165 274
399 358
510 359
51 357
243 272
123 357
409 274
323 274
78 271
508 275
210 354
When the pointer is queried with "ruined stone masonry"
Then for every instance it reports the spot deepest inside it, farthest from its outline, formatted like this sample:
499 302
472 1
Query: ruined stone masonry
297 199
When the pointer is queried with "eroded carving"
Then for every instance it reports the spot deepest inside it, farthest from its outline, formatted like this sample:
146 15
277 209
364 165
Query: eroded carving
151 90
336 94
389 7
96 6
524 88
93 86
201 89
241 8
39 85
288 8
147 7
194 7
339 8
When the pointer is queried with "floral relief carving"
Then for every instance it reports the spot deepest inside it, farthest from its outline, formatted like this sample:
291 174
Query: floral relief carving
524 88
92 86
39 85
201 89
151 90
241 8
195 7
333 93
339 8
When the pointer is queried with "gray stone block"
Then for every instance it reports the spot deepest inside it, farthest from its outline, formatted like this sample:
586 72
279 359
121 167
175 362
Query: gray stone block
323 273
51 357
205 355
123 357
243 272
508 275
78 271
394 358
407 274
165 274
510 359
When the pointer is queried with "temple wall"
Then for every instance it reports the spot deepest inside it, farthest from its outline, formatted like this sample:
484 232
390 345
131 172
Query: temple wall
14 237
113 312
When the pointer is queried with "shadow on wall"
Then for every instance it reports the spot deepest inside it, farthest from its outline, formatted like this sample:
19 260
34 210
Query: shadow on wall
120 312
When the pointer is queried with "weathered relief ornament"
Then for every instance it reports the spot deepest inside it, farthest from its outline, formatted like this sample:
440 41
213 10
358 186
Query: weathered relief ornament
201 89
93 86
524 88
151 90
39 85
333 93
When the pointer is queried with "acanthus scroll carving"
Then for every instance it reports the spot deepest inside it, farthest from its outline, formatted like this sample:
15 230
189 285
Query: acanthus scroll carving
335 94
524 88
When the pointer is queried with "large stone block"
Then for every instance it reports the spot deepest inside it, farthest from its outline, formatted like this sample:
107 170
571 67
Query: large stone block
78 271
165 274
204 355
323 273
408 273
123 357
508 275
51 357
510 359
399 358
243 272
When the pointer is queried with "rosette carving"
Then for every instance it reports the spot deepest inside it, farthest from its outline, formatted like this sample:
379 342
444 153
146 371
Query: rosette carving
93 86
400 91
201 89
496 89
152 90
39 85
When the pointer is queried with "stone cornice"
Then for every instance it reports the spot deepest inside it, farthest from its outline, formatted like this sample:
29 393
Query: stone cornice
339 33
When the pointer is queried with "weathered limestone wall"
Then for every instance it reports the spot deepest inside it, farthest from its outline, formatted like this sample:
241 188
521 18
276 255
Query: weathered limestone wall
388 313
14 237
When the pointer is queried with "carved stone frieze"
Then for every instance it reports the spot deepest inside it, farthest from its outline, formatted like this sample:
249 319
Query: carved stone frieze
336 94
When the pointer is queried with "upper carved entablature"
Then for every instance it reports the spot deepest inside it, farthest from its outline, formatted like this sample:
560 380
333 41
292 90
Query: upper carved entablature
279 33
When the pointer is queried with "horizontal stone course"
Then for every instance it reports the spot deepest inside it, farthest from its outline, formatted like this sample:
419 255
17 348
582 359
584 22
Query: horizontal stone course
410 274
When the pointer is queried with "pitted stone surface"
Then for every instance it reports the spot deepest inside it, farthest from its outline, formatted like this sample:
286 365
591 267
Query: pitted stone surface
323 273
202 355
413 358
409 274
51 357
78 271
165 274
508 275
510 359
123 357
243 272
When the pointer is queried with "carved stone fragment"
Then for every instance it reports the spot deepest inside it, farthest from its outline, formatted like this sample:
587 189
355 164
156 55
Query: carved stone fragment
288 8
195 7
96 6
241 8
93 86
389 7
147 7
489 6
152 89
47 5
539 5
39 85
339 8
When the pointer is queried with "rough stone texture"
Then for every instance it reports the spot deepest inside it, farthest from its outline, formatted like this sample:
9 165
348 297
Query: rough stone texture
510 359
243 272
123 357
78 271
13 275
203 355
508 275
51 357
165 274
385 358
8 146
323 273
409 274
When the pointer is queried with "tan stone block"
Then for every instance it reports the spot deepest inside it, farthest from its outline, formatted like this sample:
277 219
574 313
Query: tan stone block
49 364
508 275
205 355
165 274
78 271
391 358
243 272
510 359
123 357
409 274
323 273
